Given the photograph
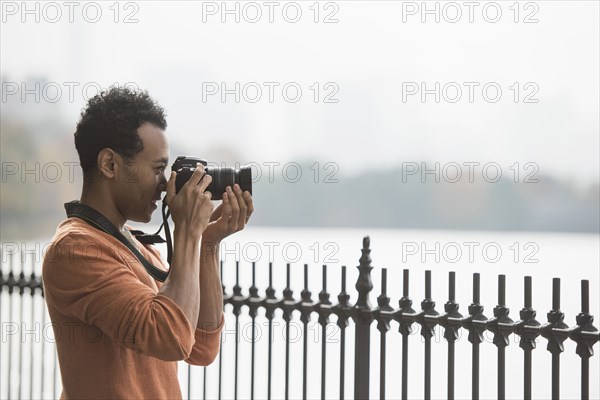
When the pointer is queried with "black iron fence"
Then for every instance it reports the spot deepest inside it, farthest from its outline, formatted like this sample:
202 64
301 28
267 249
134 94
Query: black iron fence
41 378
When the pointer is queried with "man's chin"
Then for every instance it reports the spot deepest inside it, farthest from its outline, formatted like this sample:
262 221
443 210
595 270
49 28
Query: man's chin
142 219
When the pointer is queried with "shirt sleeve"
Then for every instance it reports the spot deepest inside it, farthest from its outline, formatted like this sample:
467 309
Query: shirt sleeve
87 278
207 345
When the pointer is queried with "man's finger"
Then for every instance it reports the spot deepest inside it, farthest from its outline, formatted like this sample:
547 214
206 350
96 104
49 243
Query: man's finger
235 208
195 178
227 211
241 203
249 204
204 182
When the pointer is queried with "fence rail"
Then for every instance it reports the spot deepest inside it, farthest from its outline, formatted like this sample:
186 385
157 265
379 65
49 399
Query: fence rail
555 331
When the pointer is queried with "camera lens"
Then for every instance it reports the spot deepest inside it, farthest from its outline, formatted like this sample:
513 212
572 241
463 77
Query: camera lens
221 177
228 176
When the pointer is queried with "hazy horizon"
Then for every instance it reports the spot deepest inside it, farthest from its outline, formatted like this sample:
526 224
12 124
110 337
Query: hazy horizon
371 61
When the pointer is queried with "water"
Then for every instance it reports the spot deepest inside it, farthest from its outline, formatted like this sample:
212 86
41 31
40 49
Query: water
571 257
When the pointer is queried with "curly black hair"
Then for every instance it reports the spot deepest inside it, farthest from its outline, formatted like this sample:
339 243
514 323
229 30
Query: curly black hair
111 119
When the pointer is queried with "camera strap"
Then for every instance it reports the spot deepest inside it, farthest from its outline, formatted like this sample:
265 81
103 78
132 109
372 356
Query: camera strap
96 219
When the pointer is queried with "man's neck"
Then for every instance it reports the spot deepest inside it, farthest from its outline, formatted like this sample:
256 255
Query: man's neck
102 203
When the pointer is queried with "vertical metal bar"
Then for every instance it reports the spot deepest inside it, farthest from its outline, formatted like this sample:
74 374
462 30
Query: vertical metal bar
527 369
382 366
1 286
427 368
498 325
287 360
323 360
527 354
304 360
405 283
21 344
359 359
475 355
363 319
501 349
502 290
585 378
32 288
404 367
450 370
221 341
305 341
556 294
253 337
556 355
306 308
501 367
427 388
555 376
585 361
269 361
405 342
287 341
343 342
189 382
203 383
10 319
220 388
270 337
428 284
476 288
528 292
475 378
585 296
237 332
451 299
405 329
342 361
382 351
324 340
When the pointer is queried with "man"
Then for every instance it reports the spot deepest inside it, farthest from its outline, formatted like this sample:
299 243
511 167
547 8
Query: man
119 332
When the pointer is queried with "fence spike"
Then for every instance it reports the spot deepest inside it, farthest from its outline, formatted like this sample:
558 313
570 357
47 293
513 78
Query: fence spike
363 317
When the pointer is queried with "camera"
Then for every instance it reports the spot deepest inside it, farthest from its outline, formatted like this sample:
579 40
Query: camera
221 176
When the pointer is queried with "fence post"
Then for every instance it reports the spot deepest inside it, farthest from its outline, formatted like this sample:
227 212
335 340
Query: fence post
585 343
362 319
475 324
555 339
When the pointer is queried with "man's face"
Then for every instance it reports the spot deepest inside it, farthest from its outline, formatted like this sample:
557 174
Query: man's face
139 187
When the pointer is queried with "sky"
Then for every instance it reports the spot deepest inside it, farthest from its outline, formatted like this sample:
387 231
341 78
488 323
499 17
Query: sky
369 85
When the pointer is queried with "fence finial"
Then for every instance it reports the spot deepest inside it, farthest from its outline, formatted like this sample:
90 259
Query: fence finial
364 284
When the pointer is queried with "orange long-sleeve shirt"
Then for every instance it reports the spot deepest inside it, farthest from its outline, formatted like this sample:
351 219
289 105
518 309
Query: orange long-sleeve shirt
116 336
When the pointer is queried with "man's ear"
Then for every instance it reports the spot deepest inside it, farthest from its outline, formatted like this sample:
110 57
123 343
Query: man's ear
107 163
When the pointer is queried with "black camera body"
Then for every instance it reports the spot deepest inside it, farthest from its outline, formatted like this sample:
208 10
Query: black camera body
221 176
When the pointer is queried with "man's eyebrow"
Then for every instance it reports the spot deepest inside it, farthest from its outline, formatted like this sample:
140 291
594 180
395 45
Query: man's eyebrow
162 160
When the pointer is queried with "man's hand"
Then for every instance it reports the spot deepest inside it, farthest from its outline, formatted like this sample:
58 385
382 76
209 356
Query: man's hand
230 216
191 208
